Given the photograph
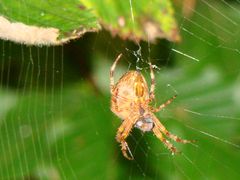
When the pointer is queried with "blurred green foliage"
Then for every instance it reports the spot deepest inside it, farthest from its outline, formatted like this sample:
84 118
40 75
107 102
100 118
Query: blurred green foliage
55 116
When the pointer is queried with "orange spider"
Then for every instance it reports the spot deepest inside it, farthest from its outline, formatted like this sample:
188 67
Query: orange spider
130 102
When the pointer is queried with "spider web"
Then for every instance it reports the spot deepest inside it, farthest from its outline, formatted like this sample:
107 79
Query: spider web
207 108
55 117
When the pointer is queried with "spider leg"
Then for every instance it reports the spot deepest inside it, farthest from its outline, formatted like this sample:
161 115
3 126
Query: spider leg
159 135
122 134
164 104
112 72
161 127
152 88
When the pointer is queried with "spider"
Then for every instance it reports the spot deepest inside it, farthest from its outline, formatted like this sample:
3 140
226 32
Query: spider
130 102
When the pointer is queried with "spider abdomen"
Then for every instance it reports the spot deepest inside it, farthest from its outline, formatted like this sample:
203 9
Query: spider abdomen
130 91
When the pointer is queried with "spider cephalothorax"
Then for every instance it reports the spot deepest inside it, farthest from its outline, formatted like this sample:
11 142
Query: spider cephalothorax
130 102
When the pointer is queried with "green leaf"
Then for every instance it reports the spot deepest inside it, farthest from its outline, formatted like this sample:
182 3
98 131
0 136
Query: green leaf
57 21
136 20
66 20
